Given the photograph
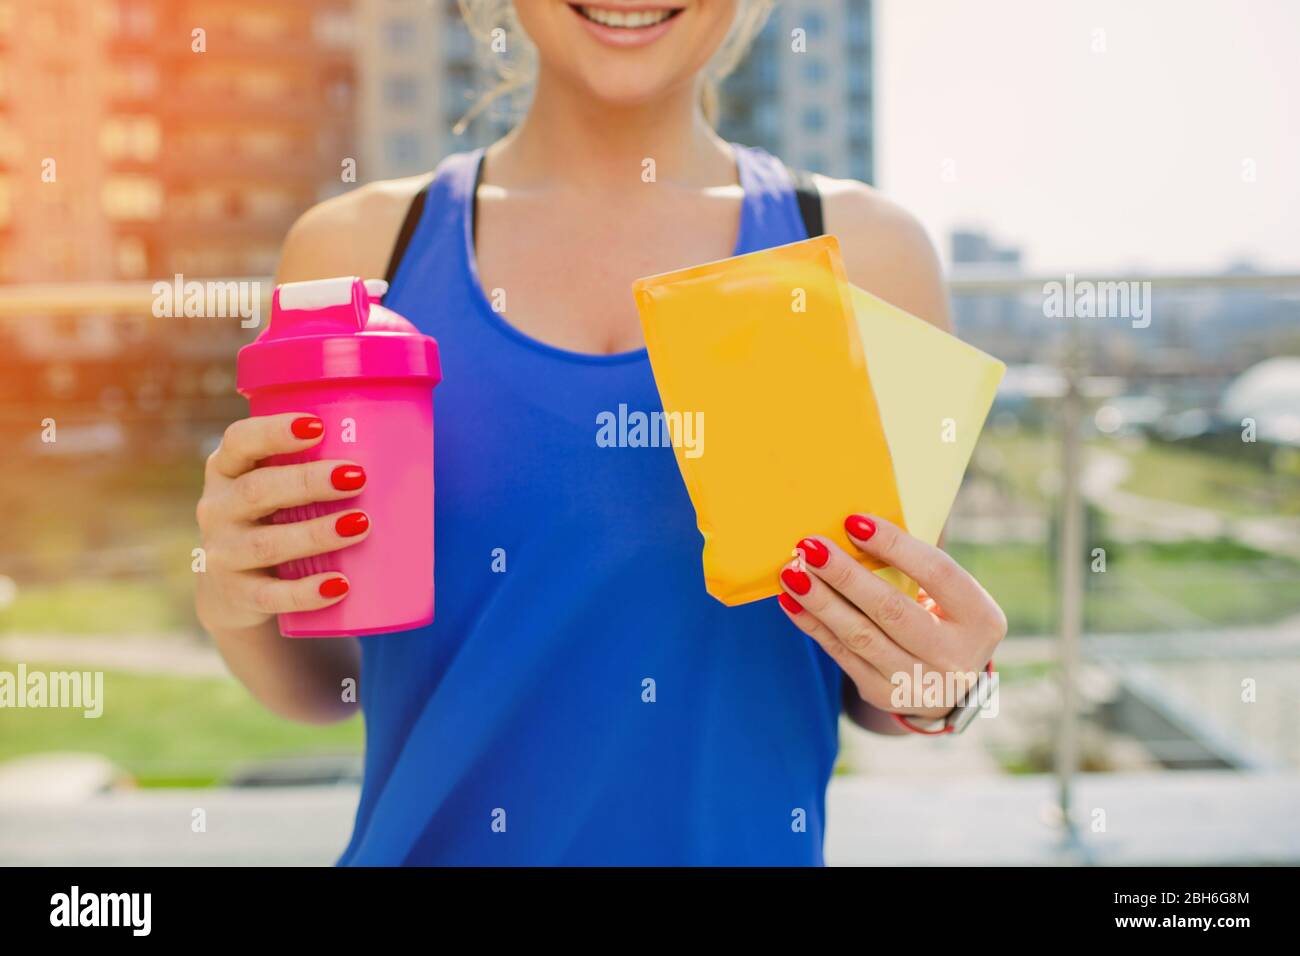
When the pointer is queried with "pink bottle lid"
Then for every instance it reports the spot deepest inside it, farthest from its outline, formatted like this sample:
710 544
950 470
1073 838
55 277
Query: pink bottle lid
335 329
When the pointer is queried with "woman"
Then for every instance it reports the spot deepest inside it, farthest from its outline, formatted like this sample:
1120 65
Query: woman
580 698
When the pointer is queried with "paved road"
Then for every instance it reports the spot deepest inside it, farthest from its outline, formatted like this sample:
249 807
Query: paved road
179 654
1148 819
1149 518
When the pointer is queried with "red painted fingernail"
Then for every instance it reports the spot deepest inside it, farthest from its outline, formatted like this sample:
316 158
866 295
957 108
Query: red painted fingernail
308 427
789 603
796 581
333 587
860 527
814 552
352 524
348 477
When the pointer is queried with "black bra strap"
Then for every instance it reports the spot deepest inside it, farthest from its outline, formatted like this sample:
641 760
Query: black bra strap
409 224
473 198
810 201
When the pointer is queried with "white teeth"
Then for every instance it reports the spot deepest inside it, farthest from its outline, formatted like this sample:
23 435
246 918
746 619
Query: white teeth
633 20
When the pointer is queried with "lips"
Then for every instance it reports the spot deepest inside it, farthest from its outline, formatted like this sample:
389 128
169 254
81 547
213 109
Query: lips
619 18
626 26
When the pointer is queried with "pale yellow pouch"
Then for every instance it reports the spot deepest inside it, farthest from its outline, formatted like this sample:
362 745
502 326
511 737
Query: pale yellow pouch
934 392
766 348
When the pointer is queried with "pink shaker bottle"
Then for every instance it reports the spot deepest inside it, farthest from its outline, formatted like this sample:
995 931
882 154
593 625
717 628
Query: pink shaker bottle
332 351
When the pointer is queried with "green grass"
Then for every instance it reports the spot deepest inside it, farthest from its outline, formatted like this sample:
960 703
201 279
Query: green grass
96 607
1021 672
1018 461
1146 587
1018 576
1231 479
99 546
1168 586
171 731
1149 586
1233 485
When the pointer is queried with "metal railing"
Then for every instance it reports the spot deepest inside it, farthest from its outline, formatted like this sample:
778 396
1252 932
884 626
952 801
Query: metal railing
1071 542
99 298
967 279
137 297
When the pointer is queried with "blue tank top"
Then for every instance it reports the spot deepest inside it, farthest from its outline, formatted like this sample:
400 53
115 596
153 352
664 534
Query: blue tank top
579 697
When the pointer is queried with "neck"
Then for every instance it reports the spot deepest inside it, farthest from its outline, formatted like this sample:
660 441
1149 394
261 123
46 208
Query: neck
570 139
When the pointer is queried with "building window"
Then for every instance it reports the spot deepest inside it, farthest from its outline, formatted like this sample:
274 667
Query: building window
207 202
813 120
859 26
268 204
816 162
132 197
10 143
814 71
263 84
401 92
260 26
134 18
338 89
264 144
130 137
767 120
403 150
132 258
59 81
137 79
400 35
333 29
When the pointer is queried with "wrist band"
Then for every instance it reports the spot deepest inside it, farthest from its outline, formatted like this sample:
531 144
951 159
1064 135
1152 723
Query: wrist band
902 721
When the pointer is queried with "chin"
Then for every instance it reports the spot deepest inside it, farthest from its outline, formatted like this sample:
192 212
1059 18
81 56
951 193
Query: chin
629 88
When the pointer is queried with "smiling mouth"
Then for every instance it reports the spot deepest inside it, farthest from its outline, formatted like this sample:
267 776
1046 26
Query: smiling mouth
625 19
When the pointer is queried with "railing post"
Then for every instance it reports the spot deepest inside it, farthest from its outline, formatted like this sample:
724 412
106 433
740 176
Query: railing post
1070 565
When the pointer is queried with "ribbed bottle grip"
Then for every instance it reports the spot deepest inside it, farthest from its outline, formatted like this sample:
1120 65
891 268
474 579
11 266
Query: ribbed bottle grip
318 563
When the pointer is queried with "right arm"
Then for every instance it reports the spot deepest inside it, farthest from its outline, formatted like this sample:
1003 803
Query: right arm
239 595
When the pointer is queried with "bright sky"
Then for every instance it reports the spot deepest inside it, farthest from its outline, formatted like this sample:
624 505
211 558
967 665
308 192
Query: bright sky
997 113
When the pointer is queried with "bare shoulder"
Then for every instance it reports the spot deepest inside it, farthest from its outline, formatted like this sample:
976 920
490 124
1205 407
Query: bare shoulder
886 249
350 234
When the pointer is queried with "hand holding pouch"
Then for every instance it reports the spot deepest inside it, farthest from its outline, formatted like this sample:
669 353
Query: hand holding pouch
766 348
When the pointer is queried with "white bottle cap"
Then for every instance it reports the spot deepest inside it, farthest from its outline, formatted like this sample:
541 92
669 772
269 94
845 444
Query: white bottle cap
316 294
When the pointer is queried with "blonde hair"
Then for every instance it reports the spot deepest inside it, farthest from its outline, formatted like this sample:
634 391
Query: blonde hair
516 68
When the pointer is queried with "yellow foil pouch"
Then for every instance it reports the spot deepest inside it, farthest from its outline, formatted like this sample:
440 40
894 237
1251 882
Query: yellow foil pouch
765 350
